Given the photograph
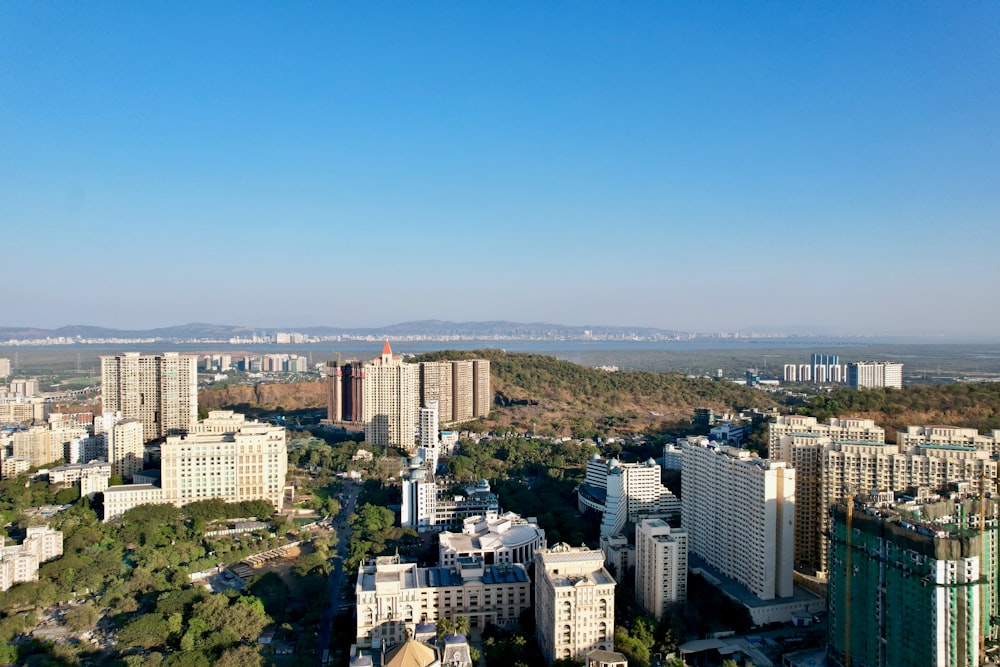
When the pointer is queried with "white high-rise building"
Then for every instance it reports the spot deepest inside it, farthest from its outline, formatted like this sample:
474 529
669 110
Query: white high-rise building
4 367
739 514
390 401
574 602
624 492
161 391
871 374
126 448
429 448
661 566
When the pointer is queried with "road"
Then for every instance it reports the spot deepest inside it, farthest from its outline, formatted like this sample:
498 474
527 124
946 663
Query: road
337 575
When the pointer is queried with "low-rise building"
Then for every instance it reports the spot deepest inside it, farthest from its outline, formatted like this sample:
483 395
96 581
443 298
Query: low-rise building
393 597
20 562
496 538
91 477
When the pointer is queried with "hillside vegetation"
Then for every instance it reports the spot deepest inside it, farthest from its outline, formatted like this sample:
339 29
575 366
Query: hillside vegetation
969 405
538 392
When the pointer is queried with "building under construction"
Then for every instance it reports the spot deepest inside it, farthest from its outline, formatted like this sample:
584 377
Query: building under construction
906 582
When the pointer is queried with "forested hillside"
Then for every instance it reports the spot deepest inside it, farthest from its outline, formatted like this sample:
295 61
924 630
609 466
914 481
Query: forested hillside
538 392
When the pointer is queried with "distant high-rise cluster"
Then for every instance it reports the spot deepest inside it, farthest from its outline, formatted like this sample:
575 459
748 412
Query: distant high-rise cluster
161 391
827 369
386 394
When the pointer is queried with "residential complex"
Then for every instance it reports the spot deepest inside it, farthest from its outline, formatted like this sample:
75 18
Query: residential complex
462 388
161 391
828 468
739 514
661 566
922 583
574 602
20 562
495 538
4 367
394 597
931 436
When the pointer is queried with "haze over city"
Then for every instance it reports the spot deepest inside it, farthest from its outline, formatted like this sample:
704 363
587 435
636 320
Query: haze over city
693 167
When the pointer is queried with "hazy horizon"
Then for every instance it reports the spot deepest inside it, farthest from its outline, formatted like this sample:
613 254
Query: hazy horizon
702 168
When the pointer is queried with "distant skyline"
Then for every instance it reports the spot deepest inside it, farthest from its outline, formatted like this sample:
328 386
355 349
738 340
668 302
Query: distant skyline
695 167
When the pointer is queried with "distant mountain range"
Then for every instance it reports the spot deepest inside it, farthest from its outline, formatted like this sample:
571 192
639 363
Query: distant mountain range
430 328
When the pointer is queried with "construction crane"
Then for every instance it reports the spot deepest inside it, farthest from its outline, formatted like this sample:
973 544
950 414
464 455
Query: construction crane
848 562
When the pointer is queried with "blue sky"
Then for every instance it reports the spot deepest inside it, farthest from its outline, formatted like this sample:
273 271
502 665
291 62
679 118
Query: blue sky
700 166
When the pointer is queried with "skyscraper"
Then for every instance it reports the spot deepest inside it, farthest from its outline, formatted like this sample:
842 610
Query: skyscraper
161 391
390 401
871 374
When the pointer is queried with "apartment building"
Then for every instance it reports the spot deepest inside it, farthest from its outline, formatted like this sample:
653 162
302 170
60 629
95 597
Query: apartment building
462 388
834 428
392 597
739 514
43 444
661 566
924 436
161 391
389 408
873 374
4 367
495 538
429 448
20 562
574 602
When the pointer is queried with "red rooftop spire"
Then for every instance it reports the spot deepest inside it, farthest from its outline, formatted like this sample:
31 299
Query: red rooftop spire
386 349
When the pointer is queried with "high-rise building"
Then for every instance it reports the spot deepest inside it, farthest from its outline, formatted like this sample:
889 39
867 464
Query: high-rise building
346 397
429 448
862 430
42 444
912 583
738 511
872 374
435 385
463 388
390 401
826 368
482 388
661 566
574 602
161 391
4 367
126 448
